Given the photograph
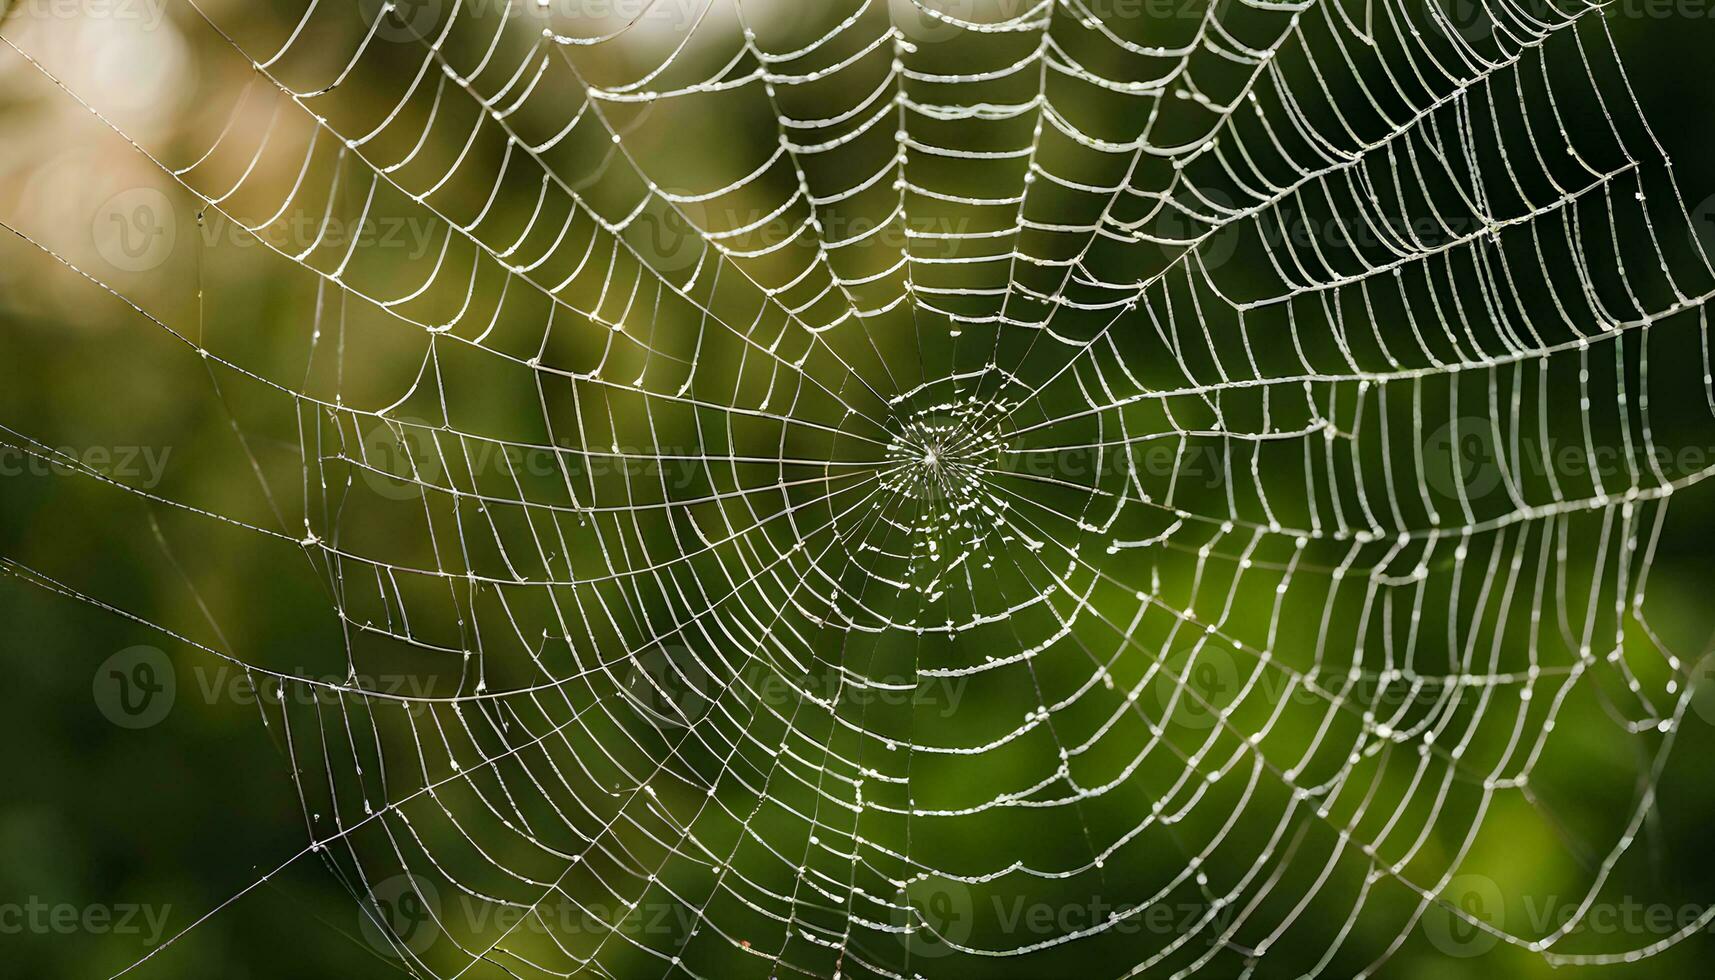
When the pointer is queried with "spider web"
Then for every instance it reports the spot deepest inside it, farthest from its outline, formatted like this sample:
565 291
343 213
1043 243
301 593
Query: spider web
849 473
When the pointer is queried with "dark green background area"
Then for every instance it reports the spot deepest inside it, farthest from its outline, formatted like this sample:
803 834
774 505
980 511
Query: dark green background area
190 812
